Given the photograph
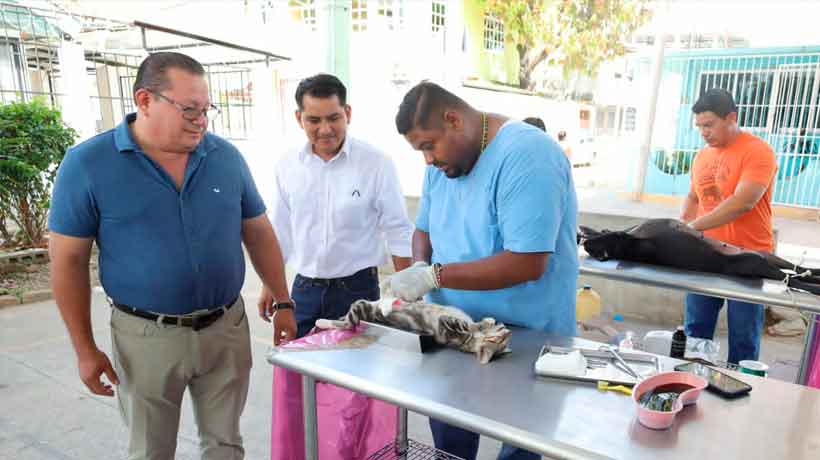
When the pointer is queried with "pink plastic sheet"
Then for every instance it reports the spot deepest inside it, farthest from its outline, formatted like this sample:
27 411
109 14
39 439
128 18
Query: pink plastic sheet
350 425
814 359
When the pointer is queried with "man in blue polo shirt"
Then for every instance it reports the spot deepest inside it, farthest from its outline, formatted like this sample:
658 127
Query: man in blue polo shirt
496 220
169 206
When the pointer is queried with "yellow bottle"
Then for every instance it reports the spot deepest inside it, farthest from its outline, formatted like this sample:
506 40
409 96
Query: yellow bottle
587 303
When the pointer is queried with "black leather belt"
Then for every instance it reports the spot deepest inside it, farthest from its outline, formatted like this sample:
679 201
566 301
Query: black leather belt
336 282
195 322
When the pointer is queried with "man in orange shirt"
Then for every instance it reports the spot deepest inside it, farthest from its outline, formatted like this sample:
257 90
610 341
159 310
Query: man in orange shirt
729 200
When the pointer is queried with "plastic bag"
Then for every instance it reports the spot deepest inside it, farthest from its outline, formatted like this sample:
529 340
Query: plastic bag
350 425
814 360
706 349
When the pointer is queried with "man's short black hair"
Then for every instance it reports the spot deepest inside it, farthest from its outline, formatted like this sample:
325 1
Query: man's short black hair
321 85
422 103
537 122
716 100
153 71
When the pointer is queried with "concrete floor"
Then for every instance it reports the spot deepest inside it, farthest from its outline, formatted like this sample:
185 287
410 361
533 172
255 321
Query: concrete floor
47 414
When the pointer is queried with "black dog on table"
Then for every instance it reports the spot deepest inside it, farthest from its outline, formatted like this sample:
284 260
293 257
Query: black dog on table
672 243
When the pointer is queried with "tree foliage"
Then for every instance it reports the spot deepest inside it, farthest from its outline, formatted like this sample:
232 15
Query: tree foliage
577 35
33 141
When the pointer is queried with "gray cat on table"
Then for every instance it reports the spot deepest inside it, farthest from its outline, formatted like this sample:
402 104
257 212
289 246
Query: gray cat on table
448 325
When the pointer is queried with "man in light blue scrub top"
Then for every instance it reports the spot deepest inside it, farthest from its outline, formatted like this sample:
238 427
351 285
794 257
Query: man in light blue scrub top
497 221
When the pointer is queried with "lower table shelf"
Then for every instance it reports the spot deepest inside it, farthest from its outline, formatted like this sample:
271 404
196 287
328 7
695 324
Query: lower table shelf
415 451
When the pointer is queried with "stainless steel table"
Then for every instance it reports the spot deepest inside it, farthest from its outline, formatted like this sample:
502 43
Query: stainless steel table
563 420
768 292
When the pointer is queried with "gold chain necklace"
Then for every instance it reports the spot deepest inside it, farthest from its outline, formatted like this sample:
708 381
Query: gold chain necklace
483 131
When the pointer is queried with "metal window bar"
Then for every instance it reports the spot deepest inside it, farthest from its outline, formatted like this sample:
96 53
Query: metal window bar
784 95
358 15
30 55
778 98
231 93
438 16
493 33
798 122
243 93
113 76
29 65
305 10
807 146
390 13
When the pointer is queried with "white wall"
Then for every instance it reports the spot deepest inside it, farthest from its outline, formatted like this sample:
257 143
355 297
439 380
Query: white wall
76 102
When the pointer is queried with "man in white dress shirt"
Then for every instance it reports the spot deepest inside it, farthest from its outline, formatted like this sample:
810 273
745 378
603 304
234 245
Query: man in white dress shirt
337 201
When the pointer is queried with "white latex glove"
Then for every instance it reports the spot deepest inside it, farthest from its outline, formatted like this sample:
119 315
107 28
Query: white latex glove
411 283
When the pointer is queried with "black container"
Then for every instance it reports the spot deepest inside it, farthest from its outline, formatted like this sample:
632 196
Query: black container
678 343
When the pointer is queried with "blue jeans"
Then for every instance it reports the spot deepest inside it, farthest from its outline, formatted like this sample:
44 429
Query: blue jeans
331 298
462 443
745 324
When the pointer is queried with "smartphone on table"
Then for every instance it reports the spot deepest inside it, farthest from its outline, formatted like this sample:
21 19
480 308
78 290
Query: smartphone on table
719 382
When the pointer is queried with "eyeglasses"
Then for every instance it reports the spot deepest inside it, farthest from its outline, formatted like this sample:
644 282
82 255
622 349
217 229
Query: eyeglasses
190 113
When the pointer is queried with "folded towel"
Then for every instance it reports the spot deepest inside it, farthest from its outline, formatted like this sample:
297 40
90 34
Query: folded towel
572 364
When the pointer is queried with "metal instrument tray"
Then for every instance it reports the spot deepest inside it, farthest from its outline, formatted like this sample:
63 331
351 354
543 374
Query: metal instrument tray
603 366
390 336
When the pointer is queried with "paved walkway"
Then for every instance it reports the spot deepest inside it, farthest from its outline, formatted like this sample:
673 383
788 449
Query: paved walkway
46 413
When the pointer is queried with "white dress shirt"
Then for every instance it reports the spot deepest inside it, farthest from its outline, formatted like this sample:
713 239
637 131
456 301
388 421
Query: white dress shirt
332 218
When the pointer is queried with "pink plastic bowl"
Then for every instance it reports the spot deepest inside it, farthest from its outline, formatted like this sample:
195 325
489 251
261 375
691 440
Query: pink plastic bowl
658 420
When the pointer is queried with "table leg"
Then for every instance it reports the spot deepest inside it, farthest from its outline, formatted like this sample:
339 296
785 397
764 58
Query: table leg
808 346
401 432
309 414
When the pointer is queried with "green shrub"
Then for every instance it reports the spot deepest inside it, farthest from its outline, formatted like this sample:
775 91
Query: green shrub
677 162
33 141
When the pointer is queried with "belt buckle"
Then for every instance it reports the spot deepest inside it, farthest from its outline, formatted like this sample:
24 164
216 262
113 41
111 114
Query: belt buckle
200 322
196 324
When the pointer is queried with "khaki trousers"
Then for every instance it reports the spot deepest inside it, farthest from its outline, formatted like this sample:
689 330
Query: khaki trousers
156 363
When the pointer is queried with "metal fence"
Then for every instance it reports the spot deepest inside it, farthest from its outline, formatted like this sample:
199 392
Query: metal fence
232 91
28 56
30 67
778 98
112 76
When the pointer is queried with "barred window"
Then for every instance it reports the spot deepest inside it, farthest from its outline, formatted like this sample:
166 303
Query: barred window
493 33
304 11
358 15
439 14
389 12
630 116
751 91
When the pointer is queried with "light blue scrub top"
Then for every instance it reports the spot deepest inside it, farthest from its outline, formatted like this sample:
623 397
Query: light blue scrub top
519 197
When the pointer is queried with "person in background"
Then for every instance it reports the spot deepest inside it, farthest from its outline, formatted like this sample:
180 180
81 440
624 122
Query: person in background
564 143
730 199
337 205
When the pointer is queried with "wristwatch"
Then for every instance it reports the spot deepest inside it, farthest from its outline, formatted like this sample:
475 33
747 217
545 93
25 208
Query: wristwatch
437 267
289 305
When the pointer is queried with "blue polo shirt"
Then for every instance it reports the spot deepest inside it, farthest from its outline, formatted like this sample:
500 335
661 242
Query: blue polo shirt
161 249
518 197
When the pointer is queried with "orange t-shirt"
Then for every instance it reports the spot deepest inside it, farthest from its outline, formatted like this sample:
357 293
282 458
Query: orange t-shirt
715 176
